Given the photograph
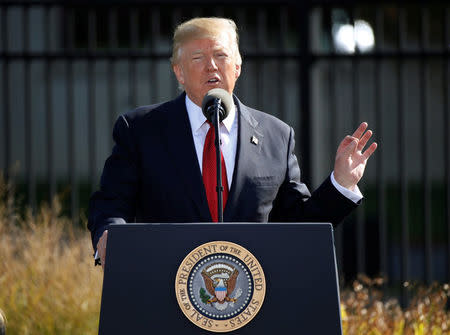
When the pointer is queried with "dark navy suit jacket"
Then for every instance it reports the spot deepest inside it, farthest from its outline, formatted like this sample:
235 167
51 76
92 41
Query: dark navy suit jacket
153 174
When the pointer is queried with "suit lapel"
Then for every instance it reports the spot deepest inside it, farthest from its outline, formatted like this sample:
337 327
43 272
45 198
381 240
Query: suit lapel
183 156
249 145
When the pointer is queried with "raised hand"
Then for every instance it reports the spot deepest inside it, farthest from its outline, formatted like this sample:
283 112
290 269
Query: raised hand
351 161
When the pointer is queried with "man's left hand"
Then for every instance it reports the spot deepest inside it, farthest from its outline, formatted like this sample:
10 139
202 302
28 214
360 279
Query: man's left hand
350 159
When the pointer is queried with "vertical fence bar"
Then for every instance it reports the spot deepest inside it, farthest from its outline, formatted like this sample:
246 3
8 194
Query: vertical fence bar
281 87
71 117
242 22
339 233
49 109
424 149
446 111
332 103
402 177
155 34
303 13
91 91
261 24
112 44
134 37
360 224
30 175
381 183
176 19
6 97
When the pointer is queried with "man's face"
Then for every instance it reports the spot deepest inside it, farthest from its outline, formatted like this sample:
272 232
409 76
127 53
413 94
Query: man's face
205 64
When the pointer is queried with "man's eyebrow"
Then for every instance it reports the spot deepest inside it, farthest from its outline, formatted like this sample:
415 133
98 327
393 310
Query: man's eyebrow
221 48
196 52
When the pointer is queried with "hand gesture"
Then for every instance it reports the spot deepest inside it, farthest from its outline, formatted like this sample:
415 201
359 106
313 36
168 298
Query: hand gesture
350 159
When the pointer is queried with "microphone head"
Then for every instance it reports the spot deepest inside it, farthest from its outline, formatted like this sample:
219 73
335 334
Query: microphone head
226 102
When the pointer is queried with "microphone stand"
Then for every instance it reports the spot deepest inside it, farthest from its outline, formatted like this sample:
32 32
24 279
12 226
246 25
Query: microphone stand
215 120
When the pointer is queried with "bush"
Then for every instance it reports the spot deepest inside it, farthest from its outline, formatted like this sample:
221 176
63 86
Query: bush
365 311
48 284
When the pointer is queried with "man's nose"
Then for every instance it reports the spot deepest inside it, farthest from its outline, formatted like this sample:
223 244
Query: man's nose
211 64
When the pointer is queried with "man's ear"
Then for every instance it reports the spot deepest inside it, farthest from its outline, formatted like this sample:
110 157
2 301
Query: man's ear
237 73
178 73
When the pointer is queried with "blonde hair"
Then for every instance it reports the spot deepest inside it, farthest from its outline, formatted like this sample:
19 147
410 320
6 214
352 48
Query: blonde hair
205 27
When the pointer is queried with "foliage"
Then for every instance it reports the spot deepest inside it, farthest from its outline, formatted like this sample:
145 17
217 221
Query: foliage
364 311
205 297
48 284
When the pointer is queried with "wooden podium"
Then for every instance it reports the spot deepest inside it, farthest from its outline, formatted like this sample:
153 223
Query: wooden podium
240 278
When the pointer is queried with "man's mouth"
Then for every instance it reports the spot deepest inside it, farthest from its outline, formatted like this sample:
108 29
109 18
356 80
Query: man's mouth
213 81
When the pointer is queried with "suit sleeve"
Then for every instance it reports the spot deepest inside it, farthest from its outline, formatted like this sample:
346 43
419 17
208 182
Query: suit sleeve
116 199
295 203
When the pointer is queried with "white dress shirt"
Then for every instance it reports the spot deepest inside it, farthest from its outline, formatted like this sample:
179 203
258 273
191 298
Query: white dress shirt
228 136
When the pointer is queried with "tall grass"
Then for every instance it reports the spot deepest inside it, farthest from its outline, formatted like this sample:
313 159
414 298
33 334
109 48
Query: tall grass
48 284
365 310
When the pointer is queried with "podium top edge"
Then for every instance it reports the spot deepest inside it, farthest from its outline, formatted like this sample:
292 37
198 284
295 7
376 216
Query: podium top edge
326 224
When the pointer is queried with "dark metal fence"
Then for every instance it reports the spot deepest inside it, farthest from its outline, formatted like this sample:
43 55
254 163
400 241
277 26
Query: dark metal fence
69 68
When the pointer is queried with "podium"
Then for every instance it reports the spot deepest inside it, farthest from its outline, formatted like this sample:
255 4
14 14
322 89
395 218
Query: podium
235 278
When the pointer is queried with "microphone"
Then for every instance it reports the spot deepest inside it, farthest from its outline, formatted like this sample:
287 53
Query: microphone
216 106
215 100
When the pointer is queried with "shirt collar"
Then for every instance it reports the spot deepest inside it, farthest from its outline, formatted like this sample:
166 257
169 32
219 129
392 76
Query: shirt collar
197 119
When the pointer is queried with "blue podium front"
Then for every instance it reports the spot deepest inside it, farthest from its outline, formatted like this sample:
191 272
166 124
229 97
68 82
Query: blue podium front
237 278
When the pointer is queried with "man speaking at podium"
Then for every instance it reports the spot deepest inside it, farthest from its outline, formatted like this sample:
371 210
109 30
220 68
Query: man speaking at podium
163 159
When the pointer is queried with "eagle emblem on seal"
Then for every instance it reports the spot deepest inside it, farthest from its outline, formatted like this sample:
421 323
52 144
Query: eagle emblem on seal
220 282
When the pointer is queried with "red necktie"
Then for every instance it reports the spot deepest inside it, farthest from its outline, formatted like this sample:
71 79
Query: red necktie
209 171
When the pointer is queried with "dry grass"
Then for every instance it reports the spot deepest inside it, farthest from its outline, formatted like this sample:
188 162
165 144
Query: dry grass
48 284
366 311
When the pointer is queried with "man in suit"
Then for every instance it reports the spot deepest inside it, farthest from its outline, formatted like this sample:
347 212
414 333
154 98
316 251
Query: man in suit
159 168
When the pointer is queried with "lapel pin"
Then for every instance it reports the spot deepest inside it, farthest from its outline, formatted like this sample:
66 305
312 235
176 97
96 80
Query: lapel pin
254 140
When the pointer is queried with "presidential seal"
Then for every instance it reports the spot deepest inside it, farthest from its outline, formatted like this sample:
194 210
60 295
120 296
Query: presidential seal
220 286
